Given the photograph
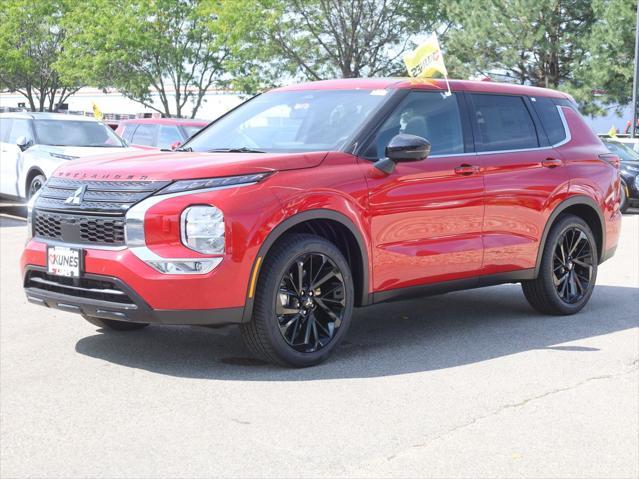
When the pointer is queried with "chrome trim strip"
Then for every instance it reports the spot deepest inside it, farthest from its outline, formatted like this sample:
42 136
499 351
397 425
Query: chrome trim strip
37 279
566 129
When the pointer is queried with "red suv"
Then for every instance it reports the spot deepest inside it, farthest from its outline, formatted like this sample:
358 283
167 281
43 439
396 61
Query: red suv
162 133
309 200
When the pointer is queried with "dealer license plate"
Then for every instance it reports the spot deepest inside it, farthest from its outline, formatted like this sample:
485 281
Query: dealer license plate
63 261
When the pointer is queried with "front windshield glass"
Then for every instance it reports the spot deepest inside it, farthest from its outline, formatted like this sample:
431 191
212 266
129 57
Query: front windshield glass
291 121
76 133
625 153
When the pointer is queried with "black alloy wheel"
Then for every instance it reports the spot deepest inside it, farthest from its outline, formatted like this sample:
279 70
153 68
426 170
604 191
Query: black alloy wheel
311 302
303 302
567 270
573 265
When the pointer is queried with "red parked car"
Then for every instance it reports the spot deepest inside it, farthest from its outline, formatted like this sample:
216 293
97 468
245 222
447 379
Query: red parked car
310 200
158 133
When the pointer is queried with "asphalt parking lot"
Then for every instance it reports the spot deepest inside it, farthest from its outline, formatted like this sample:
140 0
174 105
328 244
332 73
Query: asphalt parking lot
469 384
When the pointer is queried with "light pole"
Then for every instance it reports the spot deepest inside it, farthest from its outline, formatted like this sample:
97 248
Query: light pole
633 128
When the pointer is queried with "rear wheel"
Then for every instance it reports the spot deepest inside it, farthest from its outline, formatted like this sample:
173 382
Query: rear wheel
114 324
303 302
568 269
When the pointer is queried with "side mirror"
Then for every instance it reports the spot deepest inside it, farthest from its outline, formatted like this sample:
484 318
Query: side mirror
22 142
403 147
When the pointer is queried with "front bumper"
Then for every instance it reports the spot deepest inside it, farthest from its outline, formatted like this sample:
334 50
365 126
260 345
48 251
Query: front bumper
109 298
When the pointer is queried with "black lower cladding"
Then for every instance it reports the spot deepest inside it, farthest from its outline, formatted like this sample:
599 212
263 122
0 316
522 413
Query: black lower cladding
110 298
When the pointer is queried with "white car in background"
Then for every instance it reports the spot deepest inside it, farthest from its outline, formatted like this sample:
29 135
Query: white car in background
33 145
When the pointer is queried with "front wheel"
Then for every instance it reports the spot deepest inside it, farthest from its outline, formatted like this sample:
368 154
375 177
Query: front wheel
568 269
35 184
303 302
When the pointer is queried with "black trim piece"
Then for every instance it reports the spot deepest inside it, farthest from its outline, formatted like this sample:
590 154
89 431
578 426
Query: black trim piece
138 312
441 287
609 253
465 109
572 201
542 135
284 226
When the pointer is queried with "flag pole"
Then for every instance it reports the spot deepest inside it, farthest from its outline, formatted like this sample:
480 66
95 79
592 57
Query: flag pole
449 93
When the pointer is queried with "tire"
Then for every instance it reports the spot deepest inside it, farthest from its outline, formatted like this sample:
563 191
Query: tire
284 312
551 292
113 324
623 205
35 184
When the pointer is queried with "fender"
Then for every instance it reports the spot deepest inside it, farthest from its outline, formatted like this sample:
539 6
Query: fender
567 203
287 224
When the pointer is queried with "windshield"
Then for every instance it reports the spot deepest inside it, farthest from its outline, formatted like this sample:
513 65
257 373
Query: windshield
76 133
625 153
291 121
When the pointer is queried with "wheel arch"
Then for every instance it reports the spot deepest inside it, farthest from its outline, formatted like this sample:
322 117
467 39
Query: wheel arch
329 224
31 173
583 207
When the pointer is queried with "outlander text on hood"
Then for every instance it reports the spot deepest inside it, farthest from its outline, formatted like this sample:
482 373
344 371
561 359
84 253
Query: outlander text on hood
310 200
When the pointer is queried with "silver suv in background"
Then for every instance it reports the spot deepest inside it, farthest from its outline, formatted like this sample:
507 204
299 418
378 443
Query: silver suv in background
33 145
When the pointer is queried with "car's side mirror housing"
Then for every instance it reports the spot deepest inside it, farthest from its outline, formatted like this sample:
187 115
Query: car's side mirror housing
401 148
23 142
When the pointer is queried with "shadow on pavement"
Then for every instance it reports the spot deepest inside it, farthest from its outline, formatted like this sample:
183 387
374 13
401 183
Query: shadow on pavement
384 340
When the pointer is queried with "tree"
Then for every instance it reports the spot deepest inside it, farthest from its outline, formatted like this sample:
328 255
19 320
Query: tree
143 48
537 42
31 41
609 66
318 39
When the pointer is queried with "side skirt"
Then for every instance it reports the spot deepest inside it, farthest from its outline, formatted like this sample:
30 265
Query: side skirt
454 285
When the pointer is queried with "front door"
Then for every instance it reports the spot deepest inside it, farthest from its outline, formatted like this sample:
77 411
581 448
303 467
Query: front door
426 216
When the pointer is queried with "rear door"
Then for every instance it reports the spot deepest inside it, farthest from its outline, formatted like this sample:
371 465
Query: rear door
523 175
426 216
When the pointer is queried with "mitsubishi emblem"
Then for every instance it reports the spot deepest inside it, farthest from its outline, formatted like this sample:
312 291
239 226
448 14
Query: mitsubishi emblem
76 197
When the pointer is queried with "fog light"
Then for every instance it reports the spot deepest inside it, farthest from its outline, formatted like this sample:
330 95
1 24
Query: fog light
200 266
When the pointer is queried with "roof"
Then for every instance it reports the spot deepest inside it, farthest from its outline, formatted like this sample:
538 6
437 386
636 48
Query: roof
423 84
38 115
167 121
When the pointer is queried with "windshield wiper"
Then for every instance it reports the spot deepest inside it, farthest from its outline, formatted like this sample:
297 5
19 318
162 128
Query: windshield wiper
242 149
188 149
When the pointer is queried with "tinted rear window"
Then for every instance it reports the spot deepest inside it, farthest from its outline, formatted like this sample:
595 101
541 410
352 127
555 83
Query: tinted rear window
550 119
504 123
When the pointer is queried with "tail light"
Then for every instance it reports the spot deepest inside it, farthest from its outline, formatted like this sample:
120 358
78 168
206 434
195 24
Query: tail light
610 158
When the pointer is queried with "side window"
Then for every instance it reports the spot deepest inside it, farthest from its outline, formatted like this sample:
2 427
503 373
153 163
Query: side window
5 129
168 136
20 128
503 122
127 134
550 119
431 115
144 135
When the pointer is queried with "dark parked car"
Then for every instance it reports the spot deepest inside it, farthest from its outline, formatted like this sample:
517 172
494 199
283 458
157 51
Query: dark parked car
629 169
162 133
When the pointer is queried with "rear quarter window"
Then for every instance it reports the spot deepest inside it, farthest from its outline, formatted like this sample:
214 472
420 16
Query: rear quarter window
503 123
550 119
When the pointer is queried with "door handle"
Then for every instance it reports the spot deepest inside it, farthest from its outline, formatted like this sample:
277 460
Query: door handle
466 170
552 162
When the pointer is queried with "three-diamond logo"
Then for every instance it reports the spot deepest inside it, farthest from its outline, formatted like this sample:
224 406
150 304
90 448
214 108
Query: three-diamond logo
76 197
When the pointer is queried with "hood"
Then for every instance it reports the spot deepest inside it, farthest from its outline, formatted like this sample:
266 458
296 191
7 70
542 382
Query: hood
75 152
177 165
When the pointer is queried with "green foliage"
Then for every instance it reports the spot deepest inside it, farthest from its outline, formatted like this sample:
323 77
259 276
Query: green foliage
317 39
609 65
145 48
31 41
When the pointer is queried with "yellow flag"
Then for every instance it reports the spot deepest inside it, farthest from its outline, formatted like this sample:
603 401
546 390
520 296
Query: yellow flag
426 60
97 114
612 133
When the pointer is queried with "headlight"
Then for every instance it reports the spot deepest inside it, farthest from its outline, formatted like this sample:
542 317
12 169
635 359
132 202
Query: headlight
202 229
206 183
30 204
632 168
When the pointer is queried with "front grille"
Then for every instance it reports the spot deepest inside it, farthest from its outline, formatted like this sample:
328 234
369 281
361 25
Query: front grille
97 289
93 230
98 219
100 197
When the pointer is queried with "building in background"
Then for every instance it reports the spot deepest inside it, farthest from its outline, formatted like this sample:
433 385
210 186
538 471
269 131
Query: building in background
114 105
